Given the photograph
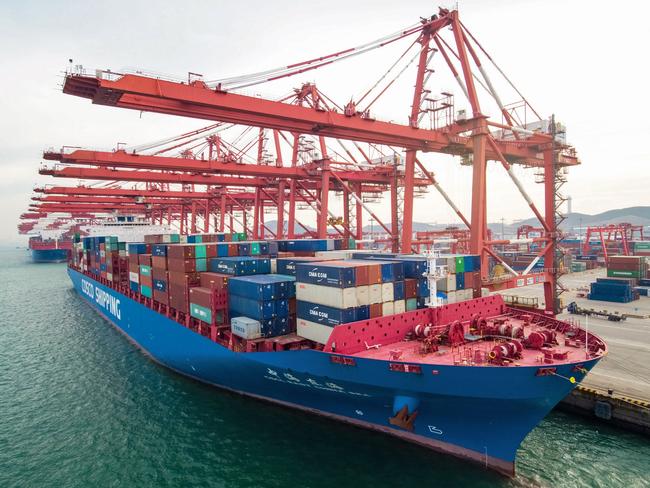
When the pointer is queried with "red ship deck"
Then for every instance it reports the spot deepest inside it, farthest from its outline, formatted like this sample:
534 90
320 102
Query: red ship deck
476 352
480 332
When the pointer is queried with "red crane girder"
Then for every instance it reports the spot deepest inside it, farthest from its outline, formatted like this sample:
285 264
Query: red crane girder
197 100
122 159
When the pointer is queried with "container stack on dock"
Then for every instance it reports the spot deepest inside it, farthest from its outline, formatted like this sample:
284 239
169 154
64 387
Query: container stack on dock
619 290
640 248
626 267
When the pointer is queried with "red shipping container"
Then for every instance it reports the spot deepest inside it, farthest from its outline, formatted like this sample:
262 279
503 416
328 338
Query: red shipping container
292 306
161 297
469 280
202 296
181 251
159 274
305 254
159 262
179 297
182 265
146 281
375 310
210 250
184 279
214 281
410 288
179 291
144 259
153 239
285 254
233 250
134 268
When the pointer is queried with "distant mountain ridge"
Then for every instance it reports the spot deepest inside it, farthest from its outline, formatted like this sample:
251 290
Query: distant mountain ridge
634 215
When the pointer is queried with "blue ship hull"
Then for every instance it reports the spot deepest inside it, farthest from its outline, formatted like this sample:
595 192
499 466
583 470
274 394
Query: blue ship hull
479 413
50 255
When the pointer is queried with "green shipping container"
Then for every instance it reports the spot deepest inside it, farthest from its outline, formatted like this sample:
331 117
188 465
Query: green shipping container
577 267
255 248
174 238
146 291
460 264
145 270
201 313
199 251
642 246
613 273
201 265
411 304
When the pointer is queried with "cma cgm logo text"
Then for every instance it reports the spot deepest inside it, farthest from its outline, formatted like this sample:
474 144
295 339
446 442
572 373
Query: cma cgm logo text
317 313
315 274
105 300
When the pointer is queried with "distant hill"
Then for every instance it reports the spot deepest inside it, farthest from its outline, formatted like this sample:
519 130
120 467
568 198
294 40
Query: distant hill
633 215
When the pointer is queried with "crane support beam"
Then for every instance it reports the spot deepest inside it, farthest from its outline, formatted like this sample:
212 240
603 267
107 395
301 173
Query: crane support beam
197 100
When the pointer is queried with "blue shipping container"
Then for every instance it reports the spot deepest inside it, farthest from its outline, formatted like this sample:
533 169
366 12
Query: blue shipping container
259 310
159 250
160 285
362 313
398 290
335 275
262 287
323 314
423 288
137 248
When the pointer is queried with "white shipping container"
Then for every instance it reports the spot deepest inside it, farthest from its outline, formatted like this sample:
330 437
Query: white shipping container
400 306
363 295
387 292
167 238
451 297
246 328
374 294
343 254
327 295
274 265
387 308
314 332
109 276
485 292
447 284
134 277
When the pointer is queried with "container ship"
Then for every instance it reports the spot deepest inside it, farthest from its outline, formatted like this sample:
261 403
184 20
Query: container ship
49 250
407 345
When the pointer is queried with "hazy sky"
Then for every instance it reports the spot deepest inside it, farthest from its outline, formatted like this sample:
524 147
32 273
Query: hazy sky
585 61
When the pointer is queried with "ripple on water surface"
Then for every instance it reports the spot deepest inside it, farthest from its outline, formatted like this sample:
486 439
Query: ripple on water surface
80 407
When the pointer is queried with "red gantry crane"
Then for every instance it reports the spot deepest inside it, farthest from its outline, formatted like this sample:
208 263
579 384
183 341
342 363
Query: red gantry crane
432 126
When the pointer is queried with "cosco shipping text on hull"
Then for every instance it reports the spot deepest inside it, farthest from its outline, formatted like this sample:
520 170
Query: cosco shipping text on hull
479 413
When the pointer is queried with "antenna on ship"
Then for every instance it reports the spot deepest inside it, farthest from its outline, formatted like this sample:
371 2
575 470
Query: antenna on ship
435 271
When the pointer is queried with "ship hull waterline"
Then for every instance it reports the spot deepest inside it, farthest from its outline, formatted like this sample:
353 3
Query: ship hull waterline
50 255
480 414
